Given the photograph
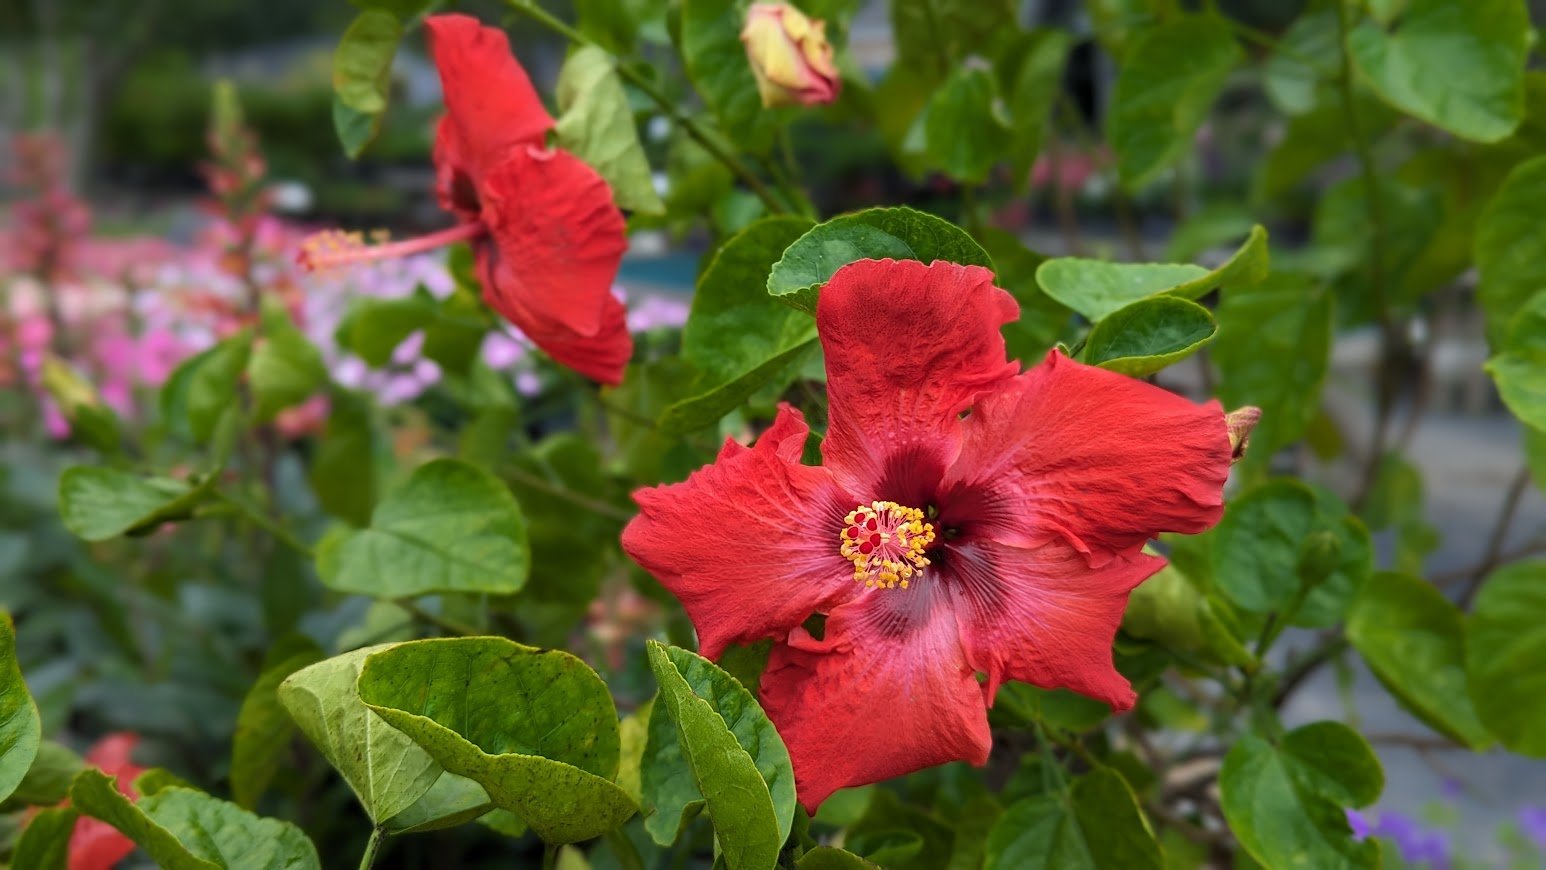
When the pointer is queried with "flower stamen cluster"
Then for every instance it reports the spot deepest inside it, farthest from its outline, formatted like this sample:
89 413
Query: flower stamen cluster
886 542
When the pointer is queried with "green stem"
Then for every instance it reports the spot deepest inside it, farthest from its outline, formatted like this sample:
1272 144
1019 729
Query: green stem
372 846
668 106
623 848
599 508
549 856
259 519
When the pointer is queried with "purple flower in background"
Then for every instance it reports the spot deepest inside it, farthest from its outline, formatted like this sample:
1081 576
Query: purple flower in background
1417 844
1532 822
1359 824
655 312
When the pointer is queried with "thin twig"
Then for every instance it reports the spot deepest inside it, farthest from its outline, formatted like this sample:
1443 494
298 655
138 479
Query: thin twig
1307 666
667 105
595 506
1492 556
444 623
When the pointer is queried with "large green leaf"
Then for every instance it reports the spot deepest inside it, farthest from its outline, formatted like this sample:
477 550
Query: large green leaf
1413 639
1306 58
1097 288
935 35
738 338
965 128
45 842
390 775
536 728
596 123
1170 609
285 368
203 386
48 779
263 729
670 794
21 730
1148 335
1033 82
1519 368
345 470
451 527
1458 65
738 762
1510 247
183 829
1166 85
98 503
1286 803
362 63
1505 654
1260 547
716 63
1273 349
355 129
567 562
1095 824
899 233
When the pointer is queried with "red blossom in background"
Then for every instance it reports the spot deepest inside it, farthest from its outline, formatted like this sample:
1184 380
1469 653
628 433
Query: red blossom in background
969 518
542 224
94 844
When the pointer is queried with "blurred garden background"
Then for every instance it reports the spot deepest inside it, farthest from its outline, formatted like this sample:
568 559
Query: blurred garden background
135 231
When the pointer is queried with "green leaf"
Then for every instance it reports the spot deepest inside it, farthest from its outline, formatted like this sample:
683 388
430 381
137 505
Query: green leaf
1286 803
1291 80
389 774
1096 824
263 728
285 368
1505 652
1510 247
567 562
100 503
1164 89
21 730
48 779
344 470
666 783
45 841
596 123
1273 349
92 421
1096 288
900 233
362 64
451 527
1519 368
1413 639
610 22
964 126
719 725
355 129
183 829
738 338
716 62
1170 609
203 386
1259 546
829 858
1459 66
1032 90
536 728
1148 335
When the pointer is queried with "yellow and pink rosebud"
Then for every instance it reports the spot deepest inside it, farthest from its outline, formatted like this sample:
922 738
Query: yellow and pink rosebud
789 55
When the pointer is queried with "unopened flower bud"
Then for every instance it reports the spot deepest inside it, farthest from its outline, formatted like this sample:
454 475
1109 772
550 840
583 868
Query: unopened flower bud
789 55
1240 422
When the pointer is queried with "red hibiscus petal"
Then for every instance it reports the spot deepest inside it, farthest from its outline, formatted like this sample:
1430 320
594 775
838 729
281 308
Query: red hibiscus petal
1043 616
886 692
908 348
454 187
1099 458
558 236
112 754
601 357
96 845
489 98
748 544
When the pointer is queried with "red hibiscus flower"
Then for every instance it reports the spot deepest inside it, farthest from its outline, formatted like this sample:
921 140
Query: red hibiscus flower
547 236
96 845
969 519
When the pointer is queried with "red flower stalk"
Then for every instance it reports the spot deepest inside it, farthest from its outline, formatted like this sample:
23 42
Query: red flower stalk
968 519
547 236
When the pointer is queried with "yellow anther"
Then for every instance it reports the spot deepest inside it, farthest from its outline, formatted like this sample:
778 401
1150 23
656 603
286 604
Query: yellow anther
886 542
